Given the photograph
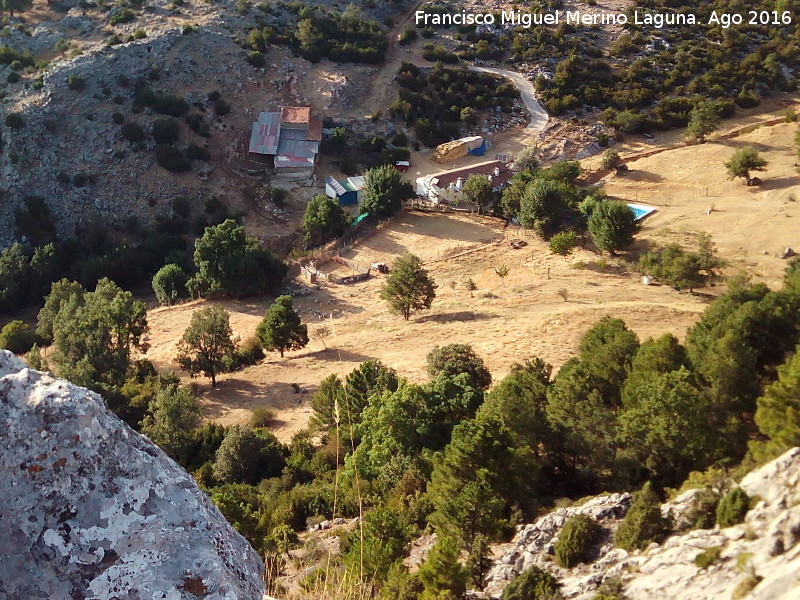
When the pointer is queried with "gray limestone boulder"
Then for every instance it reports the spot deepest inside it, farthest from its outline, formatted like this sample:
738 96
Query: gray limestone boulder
90 509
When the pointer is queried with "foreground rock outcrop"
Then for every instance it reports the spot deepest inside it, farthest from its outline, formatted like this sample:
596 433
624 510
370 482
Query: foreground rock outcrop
758 559
91 509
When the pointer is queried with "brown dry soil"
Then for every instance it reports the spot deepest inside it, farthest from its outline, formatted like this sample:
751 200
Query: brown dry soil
507 320
544 305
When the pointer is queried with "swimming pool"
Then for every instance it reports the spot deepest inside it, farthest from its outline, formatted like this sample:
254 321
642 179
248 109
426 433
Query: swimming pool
640 211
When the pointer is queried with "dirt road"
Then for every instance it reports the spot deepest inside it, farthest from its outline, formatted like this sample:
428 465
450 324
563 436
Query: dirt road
539 116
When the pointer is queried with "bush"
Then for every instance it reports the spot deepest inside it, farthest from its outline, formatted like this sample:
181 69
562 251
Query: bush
76 83
169 284
15 121
733 507
126 15
563 243
17 337
197 124
643 523
532 584
708 557
172 159
13 77
196 152
170 104
166 131
221 107
576 541
118 118
247 354
256 59
261 417
133 132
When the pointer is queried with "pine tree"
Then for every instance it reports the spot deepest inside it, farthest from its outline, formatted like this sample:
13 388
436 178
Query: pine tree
409 288
778 412
703 119
612 225
324 220
281 328
643 524
743 161
532 584
442 576
207 343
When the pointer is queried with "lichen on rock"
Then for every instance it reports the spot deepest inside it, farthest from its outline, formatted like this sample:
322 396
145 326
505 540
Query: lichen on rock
91 509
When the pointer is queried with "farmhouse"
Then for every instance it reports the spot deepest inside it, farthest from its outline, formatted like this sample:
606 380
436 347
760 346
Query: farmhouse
289 139
346 191
445 187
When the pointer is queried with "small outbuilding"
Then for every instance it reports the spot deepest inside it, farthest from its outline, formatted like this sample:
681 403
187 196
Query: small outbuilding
346 191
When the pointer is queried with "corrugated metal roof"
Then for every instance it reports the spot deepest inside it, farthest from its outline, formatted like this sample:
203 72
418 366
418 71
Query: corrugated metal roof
335 185
353 184
265 134
297 148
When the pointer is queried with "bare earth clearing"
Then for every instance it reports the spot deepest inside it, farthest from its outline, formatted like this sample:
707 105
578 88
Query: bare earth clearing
506 321
525 315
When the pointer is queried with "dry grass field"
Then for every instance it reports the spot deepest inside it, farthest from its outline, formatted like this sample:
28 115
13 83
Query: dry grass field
544 305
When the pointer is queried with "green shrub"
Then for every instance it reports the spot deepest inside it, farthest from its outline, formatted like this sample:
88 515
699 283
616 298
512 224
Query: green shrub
13 77
221 107
126 15
643 524
133 132
532 584
247 354
114 40
576 541
733 507
702 513
172 159
17 337
166 131
197 152
708 557
197 124
261 417
256 59
15 121
170 104
76 83
169 284
118 118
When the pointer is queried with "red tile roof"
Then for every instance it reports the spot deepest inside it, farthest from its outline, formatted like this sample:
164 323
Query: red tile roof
314 131
295 114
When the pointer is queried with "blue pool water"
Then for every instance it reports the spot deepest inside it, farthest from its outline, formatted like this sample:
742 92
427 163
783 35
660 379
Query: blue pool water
640 211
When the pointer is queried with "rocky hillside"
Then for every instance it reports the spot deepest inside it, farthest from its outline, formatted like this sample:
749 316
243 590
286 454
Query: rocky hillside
75 74
764 548
91 509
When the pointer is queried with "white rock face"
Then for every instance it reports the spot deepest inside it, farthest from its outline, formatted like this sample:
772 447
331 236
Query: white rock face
765 545
90 509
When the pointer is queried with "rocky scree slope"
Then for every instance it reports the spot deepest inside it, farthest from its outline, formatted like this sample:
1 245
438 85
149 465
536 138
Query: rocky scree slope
765 545
91 509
